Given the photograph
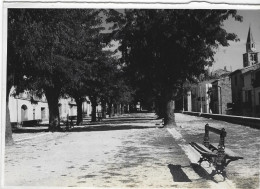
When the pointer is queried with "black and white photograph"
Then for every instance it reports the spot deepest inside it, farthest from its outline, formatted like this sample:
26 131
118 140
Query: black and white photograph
119 96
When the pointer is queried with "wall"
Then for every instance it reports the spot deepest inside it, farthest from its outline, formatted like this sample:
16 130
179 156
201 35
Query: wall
40 110
247 121
199 97
15 106
237 83
226 94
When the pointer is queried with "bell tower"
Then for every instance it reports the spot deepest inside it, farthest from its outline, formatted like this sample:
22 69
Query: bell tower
251 56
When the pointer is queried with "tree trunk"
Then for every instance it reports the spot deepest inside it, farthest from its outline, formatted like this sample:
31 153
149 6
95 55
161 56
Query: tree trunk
169 118
79 102
110 113
8 127
103 105
169 105
94 108
160 107
52 96
115 109
122 109
118 109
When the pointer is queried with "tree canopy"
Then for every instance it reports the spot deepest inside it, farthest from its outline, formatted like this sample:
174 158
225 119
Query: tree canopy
164 48
41 40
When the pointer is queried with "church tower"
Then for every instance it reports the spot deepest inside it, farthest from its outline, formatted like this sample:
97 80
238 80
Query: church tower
251 56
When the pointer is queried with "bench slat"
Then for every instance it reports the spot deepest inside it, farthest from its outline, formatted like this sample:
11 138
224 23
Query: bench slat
230 154
202 149
215 130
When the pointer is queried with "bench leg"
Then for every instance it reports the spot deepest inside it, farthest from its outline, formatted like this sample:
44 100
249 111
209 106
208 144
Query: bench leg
208 159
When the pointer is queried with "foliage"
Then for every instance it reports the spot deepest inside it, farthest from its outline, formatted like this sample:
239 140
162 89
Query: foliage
42 40
164 48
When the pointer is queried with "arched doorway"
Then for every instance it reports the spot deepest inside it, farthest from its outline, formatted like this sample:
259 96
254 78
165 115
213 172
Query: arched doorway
24 113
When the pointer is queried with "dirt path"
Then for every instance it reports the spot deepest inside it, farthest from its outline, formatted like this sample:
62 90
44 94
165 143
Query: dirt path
121 152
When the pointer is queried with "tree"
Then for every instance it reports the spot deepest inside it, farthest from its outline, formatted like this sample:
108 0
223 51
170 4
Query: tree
82 55
103 70
167 47
120 93
42 37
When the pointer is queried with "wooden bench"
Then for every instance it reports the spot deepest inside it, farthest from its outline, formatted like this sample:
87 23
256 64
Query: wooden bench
215 153
69 122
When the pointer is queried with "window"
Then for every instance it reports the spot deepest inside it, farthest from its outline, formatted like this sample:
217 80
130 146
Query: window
235 80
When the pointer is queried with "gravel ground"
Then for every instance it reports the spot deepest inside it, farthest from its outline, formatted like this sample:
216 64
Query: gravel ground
129 151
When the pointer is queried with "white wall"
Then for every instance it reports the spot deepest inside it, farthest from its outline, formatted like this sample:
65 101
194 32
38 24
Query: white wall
15 106
200 91
67 107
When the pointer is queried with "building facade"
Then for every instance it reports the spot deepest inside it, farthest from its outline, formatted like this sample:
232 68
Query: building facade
27 107
220 98
199 97
245 82
237 84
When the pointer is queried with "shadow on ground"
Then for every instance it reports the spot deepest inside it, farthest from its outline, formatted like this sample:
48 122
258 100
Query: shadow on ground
30 130
107 128
119 121
177 173
202 172
105 125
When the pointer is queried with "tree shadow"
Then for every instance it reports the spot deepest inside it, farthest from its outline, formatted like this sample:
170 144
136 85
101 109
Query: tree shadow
106 124
86 128
177 173
118 120
30 130
107 128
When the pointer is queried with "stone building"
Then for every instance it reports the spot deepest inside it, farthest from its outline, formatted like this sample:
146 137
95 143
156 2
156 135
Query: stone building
221 96
251 90
27 107
199 97
245 82
237 83
251 56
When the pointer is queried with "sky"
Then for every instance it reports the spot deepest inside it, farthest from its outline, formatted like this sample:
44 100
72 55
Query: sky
232 56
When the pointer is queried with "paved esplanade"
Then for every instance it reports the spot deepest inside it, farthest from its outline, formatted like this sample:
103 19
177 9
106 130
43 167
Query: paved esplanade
130 151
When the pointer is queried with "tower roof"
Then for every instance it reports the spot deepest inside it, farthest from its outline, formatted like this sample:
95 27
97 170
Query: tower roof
250 36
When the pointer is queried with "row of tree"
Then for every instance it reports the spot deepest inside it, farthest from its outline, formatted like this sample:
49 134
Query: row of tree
59 53
163 49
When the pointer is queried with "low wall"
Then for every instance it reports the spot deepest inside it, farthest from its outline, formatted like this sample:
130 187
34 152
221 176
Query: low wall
248 121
